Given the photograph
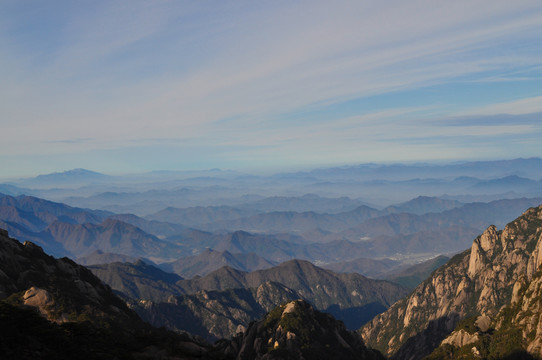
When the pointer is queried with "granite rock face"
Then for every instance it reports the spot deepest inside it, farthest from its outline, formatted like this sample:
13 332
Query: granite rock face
56 309
297 331
498 277
59 288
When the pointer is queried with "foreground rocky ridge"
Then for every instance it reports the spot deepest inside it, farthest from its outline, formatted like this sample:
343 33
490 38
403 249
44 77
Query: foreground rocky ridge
55 308
297 331
59 288
496 278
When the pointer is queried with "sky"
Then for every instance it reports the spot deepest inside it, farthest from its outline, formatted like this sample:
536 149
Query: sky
133 86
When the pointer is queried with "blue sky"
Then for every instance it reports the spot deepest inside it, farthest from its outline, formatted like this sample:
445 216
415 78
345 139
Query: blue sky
130 86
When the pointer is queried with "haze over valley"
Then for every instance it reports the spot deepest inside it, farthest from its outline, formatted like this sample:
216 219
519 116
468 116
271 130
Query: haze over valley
211 268
252 252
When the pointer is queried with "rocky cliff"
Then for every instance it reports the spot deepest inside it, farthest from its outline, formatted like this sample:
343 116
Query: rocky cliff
297 331
56 309
61 289
497 278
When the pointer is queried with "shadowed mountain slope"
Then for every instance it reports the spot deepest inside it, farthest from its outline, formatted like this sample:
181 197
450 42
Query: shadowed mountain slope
210 260
110 236
57 309
99 257
138 280
423 205
223 295
319 286
160 229
215 314
298 331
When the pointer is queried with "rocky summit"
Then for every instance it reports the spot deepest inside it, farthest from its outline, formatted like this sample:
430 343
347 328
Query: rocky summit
297 331
484 303
56 309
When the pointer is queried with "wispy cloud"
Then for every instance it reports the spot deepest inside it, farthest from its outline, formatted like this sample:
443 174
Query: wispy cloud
532 120
71 141
526 107
109 74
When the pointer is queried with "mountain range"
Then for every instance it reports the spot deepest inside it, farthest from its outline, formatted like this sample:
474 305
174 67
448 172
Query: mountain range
164 293
67 231
54 308
253 278
339 189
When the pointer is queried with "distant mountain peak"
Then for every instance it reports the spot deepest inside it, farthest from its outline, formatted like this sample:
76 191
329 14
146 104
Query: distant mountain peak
79 172
74 177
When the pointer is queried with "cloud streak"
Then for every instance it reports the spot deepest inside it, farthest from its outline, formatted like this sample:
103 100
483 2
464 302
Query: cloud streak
278 74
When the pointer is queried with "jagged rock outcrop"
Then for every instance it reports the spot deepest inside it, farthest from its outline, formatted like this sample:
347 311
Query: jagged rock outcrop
298 331
59 288
41 300
461 338
494 275
56 309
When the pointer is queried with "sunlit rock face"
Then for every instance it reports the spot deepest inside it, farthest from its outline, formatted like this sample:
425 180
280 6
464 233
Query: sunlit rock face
297 331
497 277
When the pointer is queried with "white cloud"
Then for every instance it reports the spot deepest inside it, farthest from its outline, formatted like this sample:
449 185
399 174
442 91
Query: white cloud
516 107
119 72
